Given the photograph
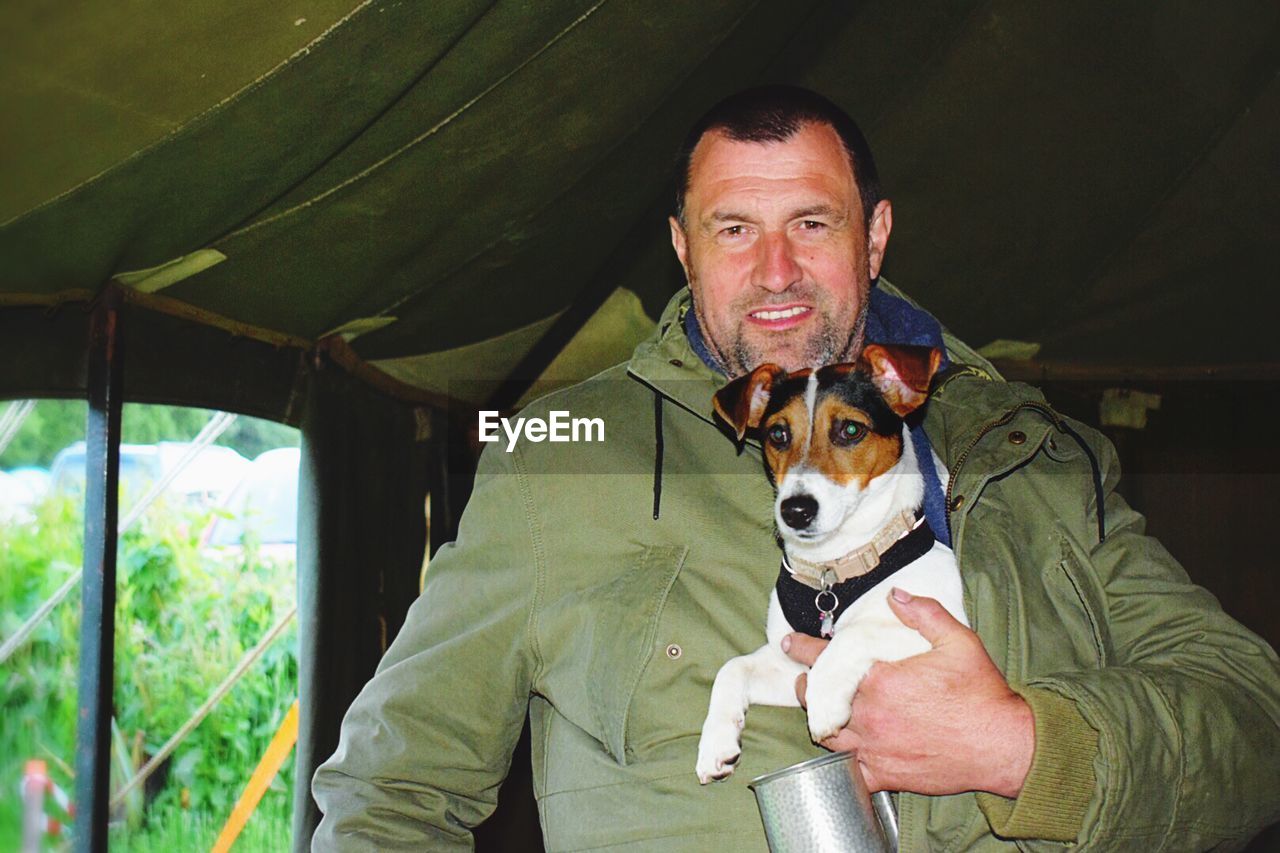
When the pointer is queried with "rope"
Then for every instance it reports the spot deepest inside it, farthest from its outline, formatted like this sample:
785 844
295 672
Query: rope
12 419
657 455
216 426
12 644
203 711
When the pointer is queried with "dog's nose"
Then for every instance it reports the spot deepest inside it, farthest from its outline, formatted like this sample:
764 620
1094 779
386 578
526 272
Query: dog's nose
798 512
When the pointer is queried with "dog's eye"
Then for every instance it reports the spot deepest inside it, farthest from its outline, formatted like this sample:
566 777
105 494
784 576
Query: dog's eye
848 432
779 436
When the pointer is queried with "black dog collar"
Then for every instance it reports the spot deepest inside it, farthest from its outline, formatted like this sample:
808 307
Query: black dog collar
805 611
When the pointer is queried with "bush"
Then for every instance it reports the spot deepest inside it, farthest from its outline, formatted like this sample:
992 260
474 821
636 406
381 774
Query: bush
183 621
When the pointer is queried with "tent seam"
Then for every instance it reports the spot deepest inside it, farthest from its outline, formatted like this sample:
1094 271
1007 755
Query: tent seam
393 305
194 120
365 172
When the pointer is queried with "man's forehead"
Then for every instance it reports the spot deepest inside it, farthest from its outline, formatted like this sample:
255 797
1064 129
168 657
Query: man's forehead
812 157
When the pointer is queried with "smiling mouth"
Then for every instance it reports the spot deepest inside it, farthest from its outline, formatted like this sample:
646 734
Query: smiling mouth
780 314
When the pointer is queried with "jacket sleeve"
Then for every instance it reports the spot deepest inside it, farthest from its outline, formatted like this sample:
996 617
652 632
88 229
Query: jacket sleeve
1186 708
428 741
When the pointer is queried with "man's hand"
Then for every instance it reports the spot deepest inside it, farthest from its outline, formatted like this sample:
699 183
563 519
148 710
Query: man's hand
941 722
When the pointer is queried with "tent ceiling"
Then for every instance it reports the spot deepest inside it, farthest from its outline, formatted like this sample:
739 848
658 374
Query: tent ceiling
1098 177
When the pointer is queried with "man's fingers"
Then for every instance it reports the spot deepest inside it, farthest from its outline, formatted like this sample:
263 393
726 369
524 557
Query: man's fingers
924 614
803 648
802 687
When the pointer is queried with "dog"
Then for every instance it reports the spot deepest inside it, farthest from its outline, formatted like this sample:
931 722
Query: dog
848 514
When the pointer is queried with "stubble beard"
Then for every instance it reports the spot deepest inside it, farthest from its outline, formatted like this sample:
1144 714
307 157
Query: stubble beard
827 344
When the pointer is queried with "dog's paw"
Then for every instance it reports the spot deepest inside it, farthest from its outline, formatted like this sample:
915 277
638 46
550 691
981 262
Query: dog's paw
829 710
719 750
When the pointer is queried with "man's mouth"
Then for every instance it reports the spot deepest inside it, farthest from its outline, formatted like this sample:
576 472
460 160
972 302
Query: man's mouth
779 318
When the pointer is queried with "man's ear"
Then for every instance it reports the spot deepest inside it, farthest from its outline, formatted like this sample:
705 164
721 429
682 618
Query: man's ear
902 373
878 236
742 402
680 243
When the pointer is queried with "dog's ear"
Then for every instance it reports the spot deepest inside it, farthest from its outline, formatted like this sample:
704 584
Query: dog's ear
902 373
742 402
830 373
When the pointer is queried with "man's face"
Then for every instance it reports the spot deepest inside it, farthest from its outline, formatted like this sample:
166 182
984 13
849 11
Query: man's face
776 251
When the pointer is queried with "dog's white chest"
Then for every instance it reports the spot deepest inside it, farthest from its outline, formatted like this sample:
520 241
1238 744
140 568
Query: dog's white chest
867 631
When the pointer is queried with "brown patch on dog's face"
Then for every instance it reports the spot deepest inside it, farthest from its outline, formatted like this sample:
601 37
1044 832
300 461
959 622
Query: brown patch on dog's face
845 447
842 446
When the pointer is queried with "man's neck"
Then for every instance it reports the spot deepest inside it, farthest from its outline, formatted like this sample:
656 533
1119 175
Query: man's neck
699 343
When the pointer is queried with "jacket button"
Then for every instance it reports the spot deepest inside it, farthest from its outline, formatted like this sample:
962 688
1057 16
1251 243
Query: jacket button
675 362
674 652
956 503
1017 437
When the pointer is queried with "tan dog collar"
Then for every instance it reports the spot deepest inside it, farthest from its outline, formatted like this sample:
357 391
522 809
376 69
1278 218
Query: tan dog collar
855 563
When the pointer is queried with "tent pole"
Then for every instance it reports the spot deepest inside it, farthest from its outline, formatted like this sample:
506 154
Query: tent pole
98 589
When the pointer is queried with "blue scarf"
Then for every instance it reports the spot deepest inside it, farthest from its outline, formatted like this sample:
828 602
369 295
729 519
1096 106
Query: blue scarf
890 320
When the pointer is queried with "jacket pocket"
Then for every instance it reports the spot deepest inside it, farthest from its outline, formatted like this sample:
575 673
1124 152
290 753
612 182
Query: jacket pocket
1087 592
631 608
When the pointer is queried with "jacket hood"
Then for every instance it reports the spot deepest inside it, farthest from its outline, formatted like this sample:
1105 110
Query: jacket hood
667 363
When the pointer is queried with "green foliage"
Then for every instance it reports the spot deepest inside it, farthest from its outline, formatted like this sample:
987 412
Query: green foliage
54 424
183 621
38 683
149 424
51 426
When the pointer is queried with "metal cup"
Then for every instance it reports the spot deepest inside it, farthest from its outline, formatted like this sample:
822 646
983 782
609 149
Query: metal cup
822 806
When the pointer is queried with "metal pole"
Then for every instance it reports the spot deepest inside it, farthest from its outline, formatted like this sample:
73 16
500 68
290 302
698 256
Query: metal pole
35 780
98 588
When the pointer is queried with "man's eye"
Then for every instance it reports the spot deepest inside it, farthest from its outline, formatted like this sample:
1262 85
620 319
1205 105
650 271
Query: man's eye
848 432
779 436
734 231
813 227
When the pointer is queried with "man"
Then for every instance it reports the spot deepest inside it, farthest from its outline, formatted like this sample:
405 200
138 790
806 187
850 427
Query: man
1103 700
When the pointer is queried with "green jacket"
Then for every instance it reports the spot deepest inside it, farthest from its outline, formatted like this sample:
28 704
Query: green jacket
1158 717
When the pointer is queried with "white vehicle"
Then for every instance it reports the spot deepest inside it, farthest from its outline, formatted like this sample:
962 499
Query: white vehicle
204 481
263 505
20 490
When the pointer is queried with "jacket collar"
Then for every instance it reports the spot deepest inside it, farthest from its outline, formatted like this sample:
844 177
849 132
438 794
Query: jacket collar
667 363
962 401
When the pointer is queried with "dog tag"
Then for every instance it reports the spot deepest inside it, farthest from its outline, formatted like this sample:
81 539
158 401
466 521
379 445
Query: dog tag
827 604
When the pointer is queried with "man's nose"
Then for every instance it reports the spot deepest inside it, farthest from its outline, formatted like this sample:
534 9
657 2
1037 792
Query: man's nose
777 269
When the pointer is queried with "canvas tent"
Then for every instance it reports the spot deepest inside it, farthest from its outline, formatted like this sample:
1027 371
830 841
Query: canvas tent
367 218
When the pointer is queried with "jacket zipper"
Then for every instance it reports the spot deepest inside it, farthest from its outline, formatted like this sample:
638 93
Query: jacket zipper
996 424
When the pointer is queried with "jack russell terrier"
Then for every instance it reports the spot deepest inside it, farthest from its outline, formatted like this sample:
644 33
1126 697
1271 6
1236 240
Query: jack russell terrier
848 512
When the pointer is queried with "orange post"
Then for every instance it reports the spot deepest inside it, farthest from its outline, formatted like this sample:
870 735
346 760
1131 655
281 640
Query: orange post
268 767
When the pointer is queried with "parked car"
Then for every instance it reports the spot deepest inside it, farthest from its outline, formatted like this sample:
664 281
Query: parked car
203 482
20 490
264 506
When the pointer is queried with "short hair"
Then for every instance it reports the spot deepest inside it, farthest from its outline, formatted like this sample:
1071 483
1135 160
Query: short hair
775 114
